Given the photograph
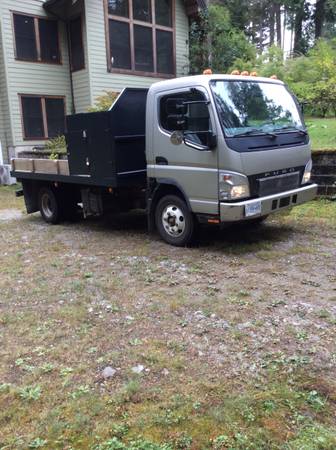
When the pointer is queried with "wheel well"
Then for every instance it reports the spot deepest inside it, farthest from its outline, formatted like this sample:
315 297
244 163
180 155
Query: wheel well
159 191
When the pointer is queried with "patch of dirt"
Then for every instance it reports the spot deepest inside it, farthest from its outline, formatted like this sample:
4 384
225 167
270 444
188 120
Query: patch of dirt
10 214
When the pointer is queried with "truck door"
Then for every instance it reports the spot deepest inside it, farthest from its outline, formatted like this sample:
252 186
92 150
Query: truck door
187 163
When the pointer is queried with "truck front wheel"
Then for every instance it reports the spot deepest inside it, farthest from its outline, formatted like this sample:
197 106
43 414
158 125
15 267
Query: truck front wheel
48 205
174 222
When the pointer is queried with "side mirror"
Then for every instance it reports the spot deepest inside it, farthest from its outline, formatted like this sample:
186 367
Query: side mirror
211 140
302 106
177 122
194 140
176 106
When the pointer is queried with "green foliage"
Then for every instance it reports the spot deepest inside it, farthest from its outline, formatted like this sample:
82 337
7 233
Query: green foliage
57 147
104 102
37 443
140 444
30 393
215 43
313 437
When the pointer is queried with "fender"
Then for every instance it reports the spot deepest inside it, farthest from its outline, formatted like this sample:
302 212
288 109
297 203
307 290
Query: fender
154 186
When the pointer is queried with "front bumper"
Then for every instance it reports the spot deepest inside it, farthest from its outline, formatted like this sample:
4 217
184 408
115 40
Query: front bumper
234 212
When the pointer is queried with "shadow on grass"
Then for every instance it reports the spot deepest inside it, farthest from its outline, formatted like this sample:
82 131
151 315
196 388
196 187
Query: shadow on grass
239 239
233 239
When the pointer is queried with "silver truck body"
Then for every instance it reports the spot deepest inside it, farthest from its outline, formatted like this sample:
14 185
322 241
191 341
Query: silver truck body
196 173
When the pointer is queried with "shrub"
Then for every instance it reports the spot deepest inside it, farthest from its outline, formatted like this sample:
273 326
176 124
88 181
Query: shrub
104 102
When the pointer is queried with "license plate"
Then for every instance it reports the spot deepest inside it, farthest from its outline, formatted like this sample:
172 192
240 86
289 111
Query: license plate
253 209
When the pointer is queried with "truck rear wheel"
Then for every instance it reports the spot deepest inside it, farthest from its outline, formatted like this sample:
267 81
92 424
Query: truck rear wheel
49 206
174 222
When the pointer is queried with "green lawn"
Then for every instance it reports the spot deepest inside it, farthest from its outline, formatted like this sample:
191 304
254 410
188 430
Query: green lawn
322 133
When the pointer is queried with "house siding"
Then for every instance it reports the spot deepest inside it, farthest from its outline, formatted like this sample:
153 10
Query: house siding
21 77
5 124
31 78
100 78
81 78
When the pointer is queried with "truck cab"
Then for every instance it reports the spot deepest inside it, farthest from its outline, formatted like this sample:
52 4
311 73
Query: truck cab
223 149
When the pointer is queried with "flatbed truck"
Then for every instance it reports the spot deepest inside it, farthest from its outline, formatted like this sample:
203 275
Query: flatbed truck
205 149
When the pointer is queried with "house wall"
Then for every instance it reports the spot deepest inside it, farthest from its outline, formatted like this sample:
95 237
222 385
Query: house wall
31 78
21 77
80 78
100 78
5 125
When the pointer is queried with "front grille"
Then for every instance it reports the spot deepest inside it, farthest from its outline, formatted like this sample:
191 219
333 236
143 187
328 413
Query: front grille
280 183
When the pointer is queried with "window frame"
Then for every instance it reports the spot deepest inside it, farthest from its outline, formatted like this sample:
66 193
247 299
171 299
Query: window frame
36 18
79 17
153 26
44 114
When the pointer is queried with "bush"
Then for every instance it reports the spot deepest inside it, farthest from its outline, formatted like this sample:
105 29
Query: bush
104 102
57 147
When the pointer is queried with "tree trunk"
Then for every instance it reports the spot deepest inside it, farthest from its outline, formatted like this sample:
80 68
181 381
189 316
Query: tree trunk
319 17
272 23
298 25
278 24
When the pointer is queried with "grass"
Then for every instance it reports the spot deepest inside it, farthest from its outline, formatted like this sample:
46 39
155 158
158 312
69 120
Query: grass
322 133
236 336
8 199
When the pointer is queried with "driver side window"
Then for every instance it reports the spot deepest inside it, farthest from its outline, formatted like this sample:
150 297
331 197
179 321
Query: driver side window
197 116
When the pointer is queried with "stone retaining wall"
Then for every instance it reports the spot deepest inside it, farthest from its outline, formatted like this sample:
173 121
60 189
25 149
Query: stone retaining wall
324 172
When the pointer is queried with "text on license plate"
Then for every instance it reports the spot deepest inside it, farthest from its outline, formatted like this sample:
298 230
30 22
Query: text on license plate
253 209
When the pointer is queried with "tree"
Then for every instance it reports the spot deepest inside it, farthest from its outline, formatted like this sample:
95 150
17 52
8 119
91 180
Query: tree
216 43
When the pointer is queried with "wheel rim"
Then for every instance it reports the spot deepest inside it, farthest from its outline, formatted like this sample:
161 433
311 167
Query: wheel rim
46 205
173 220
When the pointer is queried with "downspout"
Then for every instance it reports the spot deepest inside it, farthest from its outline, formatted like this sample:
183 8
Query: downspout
73 108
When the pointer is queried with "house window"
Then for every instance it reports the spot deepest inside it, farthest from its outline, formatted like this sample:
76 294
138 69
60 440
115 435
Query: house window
36 39
76 45
43 117
141 36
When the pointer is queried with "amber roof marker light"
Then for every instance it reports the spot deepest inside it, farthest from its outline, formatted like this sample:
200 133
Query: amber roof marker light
235 72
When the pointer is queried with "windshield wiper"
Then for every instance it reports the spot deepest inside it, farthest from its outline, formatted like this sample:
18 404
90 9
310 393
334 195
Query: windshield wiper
292 127
254 131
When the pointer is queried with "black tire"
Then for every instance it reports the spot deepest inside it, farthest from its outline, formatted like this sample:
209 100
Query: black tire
174 222
49 205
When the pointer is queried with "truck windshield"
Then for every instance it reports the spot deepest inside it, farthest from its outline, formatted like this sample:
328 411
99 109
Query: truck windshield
246 108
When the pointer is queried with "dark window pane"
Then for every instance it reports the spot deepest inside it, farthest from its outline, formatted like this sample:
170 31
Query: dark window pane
32 117
120 45
163 12
142 10
164 50
197 116
49 40
118 7
76 45
143 49
25 37
55 116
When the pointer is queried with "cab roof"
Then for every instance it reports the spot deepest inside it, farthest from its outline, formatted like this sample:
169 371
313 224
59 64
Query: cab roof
203 80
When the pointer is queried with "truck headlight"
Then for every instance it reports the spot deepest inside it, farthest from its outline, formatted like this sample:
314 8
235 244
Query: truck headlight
307 173
233 186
